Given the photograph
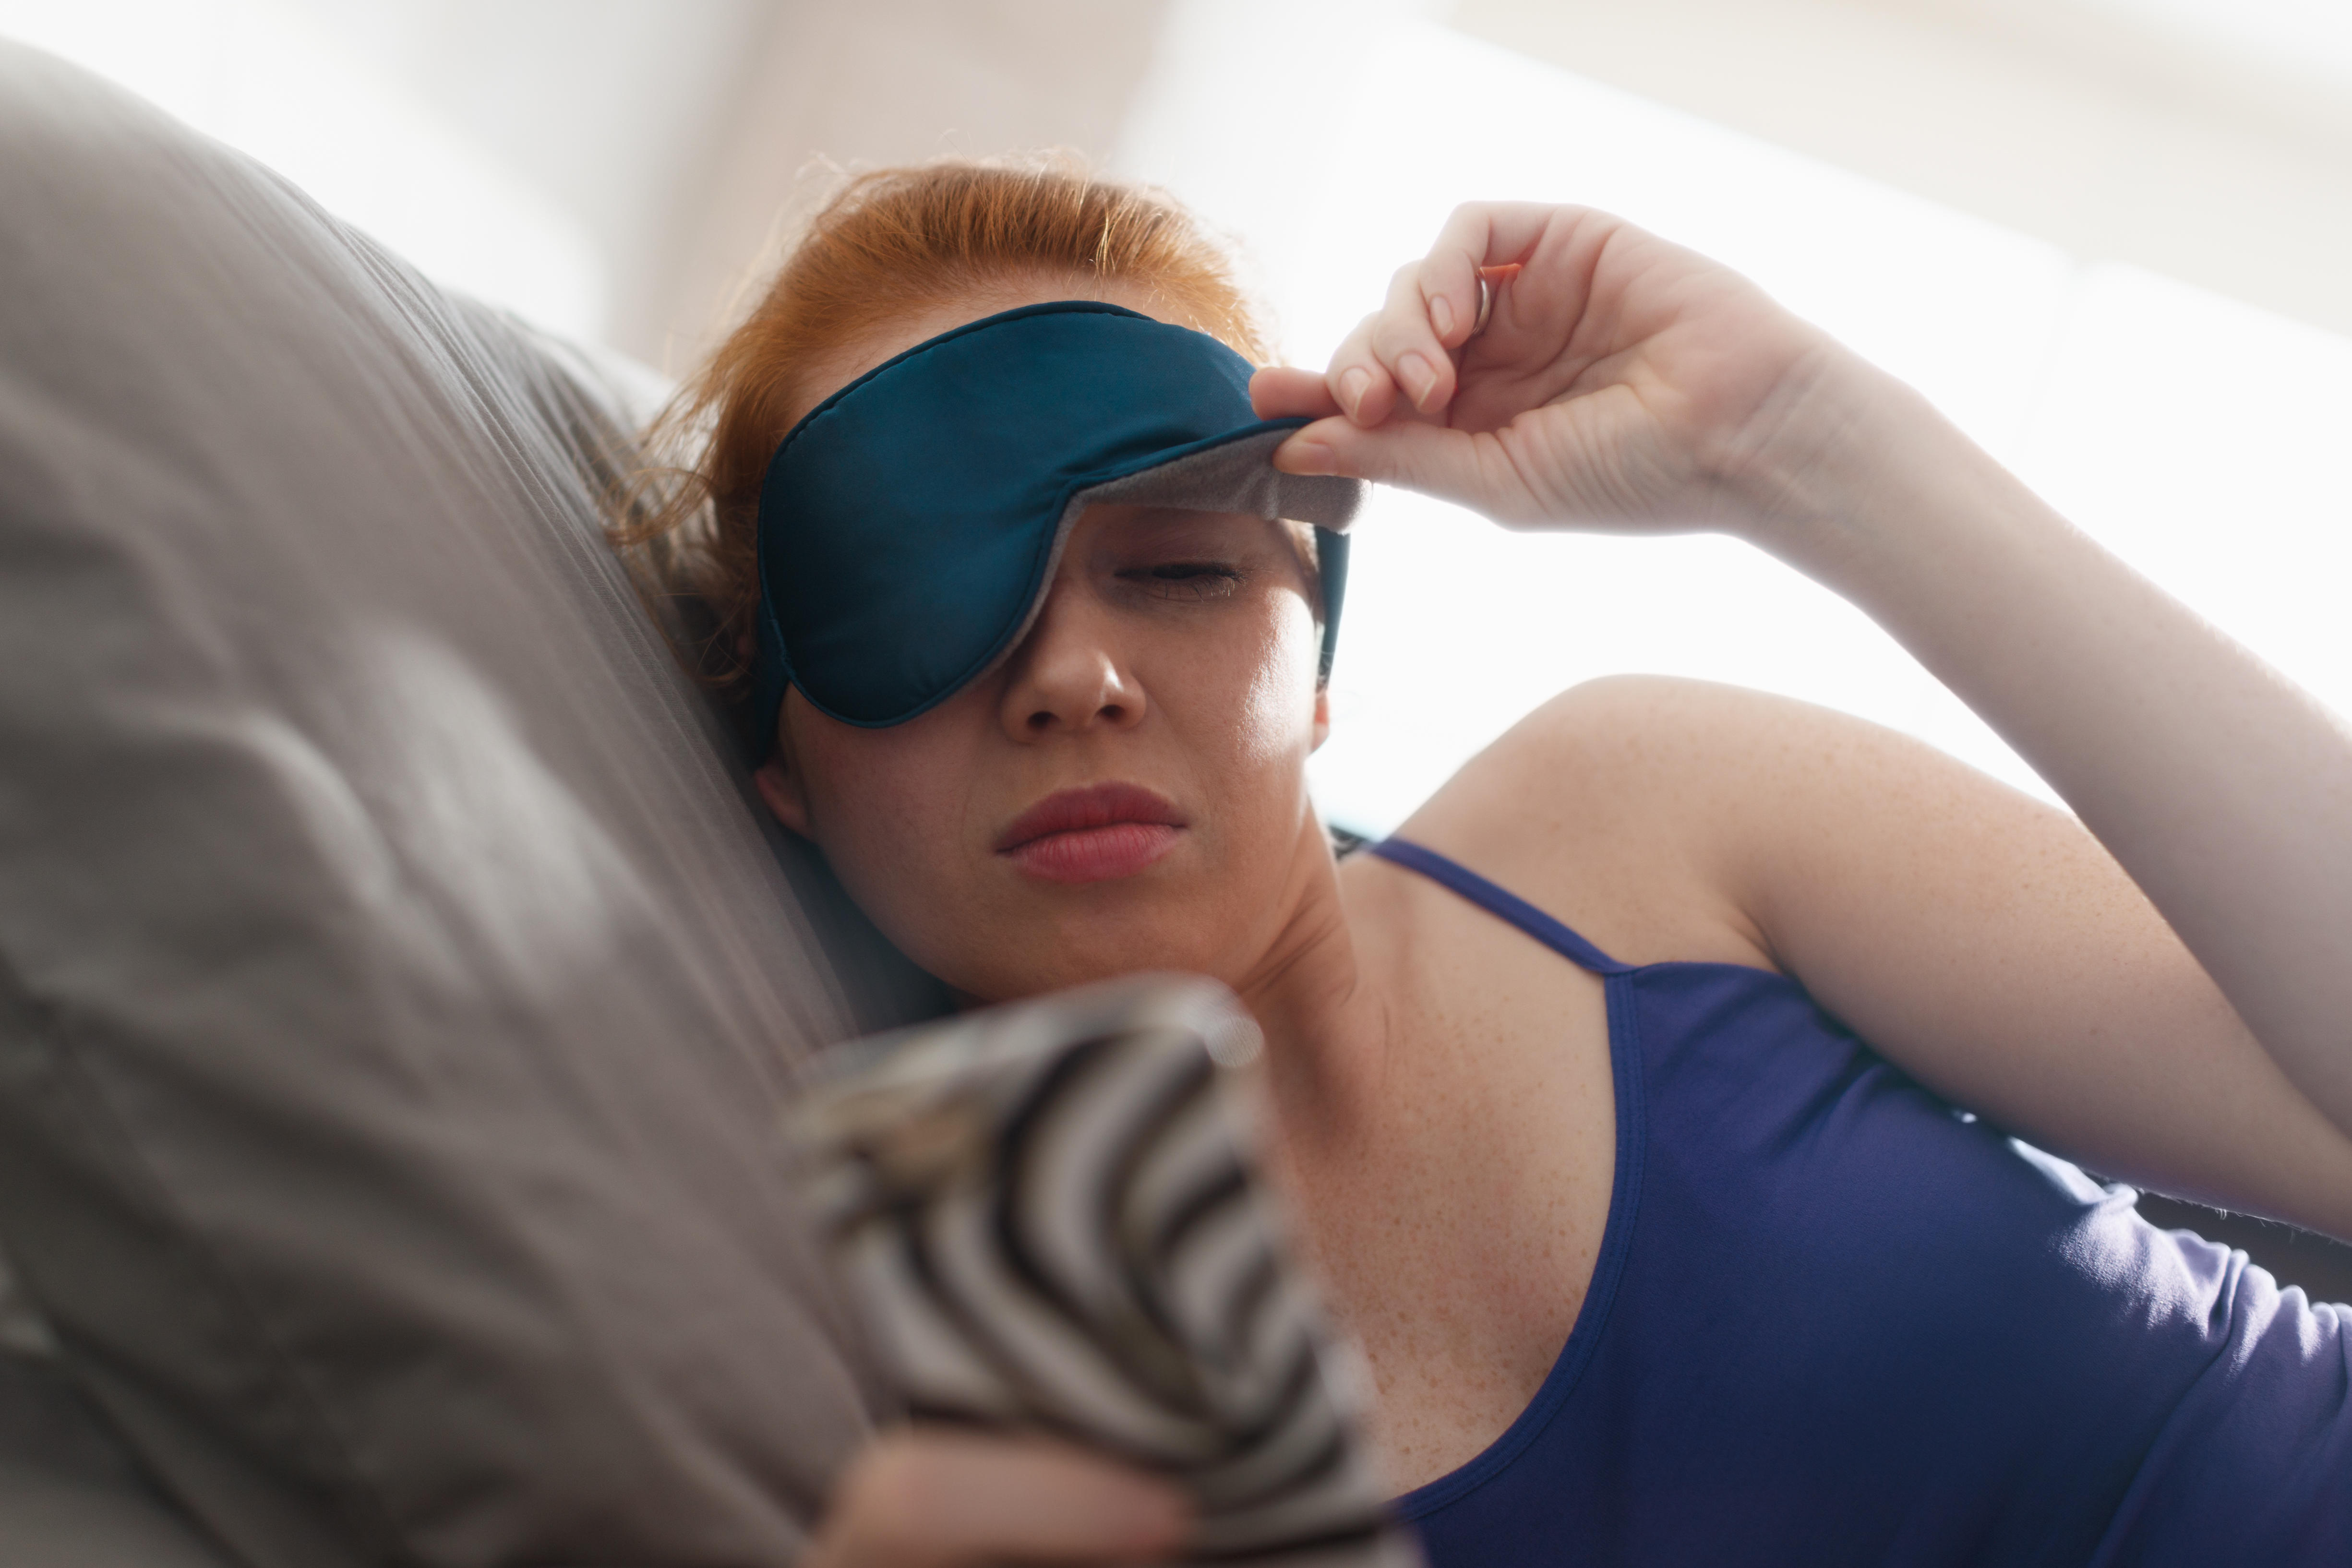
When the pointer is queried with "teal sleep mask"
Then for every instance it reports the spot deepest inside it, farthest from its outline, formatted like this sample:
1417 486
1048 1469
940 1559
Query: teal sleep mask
909 526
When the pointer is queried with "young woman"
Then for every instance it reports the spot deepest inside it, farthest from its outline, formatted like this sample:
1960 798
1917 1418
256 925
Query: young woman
1653 1258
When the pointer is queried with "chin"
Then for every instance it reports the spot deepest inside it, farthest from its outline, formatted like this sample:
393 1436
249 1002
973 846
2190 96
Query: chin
1055 965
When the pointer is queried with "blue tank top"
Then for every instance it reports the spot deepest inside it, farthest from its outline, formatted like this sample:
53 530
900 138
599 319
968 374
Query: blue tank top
1835 1319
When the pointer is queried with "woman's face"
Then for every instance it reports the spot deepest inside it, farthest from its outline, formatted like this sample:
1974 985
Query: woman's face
1126 791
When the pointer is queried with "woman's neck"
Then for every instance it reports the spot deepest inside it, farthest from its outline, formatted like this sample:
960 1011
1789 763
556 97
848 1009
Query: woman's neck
1325 1019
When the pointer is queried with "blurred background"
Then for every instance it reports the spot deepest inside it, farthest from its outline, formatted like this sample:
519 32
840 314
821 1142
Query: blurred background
2111 238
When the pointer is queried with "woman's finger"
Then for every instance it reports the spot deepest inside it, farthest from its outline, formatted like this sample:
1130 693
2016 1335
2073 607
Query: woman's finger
1284 391
1432 308
945 1499
1476 235
1359 382
1405 343
1474 469
1449 275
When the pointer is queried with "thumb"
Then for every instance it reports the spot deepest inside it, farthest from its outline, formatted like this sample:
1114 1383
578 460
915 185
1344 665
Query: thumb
1453 464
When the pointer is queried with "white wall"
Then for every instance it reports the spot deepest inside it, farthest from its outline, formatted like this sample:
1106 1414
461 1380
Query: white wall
884 83
265 76
609 167
2207 139
2199 437
2104 235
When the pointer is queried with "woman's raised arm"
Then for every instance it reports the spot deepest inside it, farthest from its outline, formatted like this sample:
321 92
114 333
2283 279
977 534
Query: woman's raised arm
1624 383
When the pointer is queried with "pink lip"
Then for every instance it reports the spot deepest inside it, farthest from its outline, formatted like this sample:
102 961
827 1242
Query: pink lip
1093 835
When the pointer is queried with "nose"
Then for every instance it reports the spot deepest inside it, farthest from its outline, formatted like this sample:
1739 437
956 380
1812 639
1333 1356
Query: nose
1070 674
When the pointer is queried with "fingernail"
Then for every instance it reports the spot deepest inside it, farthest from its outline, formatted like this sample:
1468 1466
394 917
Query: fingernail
1441 316
1298 456
1419 380
1352 389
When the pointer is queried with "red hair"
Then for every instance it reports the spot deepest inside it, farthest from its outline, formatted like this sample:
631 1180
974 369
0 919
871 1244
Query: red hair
888 244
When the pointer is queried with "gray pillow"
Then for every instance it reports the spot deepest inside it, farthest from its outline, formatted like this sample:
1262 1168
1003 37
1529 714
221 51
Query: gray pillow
396 983
69 1497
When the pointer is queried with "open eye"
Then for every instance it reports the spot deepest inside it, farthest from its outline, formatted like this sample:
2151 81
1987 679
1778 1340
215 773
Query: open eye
1186 579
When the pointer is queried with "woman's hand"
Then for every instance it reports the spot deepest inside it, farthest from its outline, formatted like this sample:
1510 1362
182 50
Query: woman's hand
1625 383
1621 382
943 1500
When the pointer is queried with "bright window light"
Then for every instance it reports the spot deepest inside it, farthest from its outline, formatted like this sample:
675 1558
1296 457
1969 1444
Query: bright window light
256 75
2307 37
2199 438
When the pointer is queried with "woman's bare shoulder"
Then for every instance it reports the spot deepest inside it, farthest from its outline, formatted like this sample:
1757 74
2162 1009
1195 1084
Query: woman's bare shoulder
1605 806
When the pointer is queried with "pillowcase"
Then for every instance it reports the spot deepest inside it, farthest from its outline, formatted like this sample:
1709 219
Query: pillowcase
397 983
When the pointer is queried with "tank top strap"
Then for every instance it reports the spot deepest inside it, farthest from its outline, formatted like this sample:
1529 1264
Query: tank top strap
1499 902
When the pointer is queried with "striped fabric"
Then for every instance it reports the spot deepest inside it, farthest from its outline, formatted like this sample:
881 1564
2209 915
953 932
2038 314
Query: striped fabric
1047 1213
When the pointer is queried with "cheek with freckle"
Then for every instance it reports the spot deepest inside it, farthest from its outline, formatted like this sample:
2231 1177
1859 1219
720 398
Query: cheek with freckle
1250 722
1281 705
889 810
